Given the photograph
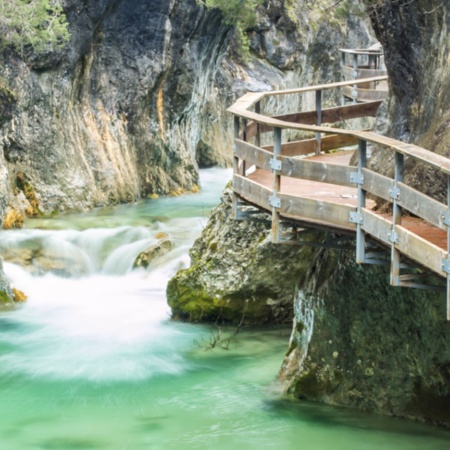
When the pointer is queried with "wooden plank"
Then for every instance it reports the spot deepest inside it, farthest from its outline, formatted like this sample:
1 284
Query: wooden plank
324 86
308 146
420 250
331 115
422 206
361 73
361 51
253 155
251 191
377 226
335 215
377 184
365 94
317 171
437 161
248 100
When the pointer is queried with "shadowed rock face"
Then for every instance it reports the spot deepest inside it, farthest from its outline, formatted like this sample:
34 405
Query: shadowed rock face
356 341
117 113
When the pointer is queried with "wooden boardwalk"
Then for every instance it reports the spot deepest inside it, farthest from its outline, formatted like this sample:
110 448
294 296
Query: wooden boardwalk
310 184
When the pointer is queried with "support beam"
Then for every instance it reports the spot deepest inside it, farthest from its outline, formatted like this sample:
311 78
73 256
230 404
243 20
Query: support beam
258 125
448 249
276 187
319 120
360 235
396 220
235 166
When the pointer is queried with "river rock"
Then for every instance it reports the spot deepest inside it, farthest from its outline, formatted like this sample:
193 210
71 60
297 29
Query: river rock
6 292
154 251
237 273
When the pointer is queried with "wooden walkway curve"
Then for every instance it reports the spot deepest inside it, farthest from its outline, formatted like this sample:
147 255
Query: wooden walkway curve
307 183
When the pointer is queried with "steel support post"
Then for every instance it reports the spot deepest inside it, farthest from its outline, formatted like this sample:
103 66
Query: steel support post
244 138
342 76
355 76
319 120
235 166
360 235
448 249
396 220
275 201
258 126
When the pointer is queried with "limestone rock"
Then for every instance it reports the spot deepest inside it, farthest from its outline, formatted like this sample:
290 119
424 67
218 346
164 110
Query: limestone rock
237 272
6 292
154 251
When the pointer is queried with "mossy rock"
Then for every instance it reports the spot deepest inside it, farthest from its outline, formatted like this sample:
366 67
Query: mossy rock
152 252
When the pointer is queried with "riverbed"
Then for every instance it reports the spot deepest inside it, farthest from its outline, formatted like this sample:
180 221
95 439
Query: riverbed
93 361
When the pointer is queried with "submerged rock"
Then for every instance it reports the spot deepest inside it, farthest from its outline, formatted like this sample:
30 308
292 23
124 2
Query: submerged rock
154 251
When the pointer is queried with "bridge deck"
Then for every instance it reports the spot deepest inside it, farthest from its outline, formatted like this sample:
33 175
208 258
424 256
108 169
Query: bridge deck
341 195
324 192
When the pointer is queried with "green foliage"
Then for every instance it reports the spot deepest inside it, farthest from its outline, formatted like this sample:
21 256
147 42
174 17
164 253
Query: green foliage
238 13
39 23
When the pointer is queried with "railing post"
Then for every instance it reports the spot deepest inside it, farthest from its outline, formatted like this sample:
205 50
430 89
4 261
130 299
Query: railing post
448 248
396 220
355 76
235 167
360 235
275 200
319 120
258 125
342 76
244 138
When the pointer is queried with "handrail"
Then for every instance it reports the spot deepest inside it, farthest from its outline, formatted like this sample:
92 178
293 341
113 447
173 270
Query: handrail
389 232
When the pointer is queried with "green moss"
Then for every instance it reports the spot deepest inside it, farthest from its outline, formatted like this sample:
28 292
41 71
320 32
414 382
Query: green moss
292 347
5 299
308 386
23 184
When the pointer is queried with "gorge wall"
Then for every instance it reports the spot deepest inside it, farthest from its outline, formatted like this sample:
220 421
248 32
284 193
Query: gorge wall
356 341
111 117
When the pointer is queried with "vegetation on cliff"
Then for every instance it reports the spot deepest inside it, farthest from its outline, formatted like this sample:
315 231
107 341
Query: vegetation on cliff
40 24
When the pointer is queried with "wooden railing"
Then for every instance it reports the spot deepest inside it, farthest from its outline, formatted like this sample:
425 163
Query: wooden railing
286 159
364 64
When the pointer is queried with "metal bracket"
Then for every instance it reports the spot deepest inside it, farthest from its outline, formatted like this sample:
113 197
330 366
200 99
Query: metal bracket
356 177
274 201
275 164
355 217
446 266
394 192
393 237
446 219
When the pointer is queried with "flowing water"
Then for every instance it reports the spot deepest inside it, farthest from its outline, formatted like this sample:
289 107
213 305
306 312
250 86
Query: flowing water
92 360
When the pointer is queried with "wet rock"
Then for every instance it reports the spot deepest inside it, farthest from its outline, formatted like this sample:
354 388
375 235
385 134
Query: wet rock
156 250
6 292
236 272
359 342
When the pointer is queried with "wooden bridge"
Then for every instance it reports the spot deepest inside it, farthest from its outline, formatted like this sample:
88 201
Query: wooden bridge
298 170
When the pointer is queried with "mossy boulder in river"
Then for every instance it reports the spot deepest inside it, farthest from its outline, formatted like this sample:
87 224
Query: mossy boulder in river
160 248
236 272
6 292
359 342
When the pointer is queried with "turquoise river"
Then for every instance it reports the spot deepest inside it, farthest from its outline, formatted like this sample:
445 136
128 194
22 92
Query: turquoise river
92 360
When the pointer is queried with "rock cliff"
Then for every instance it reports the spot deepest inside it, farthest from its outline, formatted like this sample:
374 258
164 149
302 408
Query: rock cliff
356 341
116 114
